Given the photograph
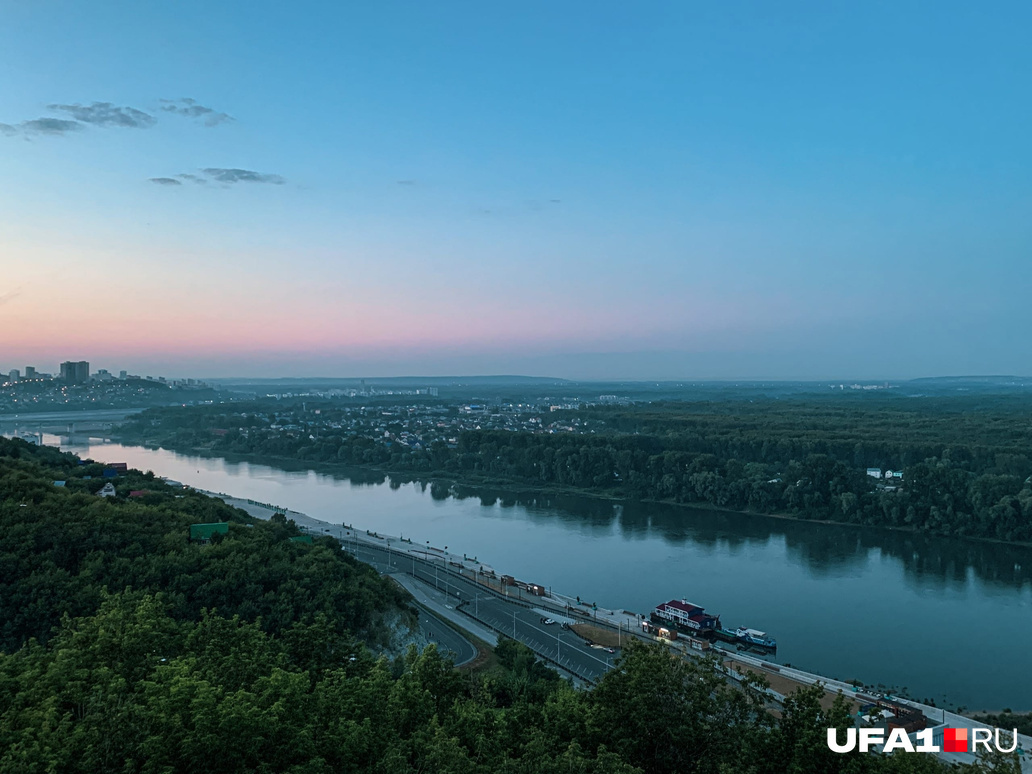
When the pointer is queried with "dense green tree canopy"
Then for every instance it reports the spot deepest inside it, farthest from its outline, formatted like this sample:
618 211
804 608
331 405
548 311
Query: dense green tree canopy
966 463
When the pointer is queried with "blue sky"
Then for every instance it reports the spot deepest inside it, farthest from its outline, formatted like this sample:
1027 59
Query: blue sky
589 190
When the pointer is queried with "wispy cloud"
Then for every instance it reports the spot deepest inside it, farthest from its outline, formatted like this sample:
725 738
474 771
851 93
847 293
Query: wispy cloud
108 114
231 176
227 176
45 125
9 295
192 109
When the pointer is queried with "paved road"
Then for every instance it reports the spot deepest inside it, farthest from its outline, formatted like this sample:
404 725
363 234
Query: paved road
509 617
443 606
447 640
435 630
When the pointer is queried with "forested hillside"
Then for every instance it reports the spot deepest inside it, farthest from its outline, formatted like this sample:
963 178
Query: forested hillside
63 546
126 648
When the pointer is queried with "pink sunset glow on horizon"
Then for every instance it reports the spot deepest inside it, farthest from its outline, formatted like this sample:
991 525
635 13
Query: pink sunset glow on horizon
124 314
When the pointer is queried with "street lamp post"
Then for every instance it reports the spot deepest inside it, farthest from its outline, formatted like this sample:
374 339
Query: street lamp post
444 564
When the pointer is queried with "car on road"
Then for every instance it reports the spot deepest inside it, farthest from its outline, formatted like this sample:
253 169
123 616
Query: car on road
547 621
609 650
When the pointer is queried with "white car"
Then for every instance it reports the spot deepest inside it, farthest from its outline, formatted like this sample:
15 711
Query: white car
547 621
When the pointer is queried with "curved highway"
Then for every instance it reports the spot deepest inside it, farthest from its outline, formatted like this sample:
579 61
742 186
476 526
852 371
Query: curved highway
512 618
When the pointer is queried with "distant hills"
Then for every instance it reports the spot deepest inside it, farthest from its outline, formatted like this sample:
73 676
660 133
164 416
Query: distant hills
510 388
990 380
491 379
400 381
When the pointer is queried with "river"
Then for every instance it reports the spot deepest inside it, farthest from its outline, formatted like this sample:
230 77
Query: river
942 619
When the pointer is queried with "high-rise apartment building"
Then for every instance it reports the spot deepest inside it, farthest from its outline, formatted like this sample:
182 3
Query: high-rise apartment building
75 372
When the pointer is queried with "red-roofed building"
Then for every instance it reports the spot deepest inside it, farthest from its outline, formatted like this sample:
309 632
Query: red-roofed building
687 615
139 492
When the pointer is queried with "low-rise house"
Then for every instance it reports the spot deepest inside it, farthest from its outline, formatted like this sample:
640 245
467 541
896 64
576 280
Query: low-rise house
108 490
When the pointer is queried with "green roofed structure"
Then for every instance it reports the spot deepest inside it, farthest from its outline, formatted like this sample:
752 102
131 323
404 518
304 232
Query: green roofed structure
301 539
201 533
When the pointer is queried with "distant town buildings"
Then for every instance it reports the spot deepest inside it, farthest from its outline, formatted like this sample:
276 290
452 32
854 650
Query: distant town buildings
75 372
76 387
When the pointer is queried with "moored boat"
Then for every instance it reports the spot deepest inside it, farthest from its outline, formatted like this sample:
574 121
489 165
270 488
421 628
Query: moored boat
755 638
725 636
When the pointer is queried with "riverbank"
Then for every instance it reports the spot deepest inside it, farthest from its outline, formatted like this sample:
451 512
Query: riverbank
500 485
782 679
820 590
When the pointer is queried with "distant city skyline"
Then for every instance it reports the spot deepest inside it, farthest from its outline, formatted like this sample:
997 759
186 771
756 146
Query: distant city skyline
585 191
163 371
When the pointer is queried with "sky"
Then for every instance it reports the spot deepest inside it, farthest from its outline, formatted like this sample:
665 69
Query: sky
588 190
